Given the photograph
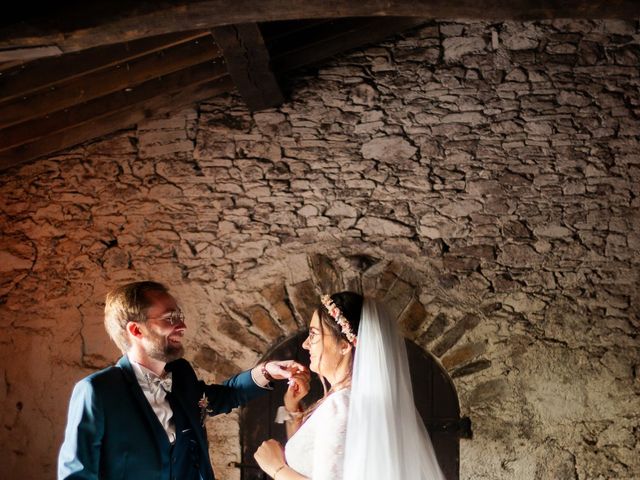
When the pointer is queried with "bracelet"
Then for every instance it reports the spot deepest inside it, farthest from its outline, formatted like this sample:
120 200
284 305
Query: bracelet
278 471
266 374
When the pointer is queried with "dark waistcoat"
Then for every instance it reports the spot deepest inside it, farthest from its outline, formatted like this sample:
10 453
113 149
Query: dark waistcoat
185 452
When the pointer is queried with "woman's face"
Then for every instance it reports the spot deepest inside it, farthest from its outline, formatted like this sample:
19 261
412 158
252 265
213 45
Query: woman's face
324 350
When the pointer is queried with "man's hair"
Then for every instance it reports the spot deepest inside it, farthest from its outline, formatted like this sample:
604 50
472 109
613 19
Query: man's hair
127 303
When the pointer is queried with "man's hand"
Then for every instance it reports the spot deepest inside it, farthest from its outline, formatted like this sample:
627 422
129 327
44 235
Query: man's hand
264 373
284 369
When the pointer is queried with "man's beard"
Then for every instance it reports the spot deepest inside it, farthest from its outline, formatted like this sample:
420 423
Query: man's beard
159 348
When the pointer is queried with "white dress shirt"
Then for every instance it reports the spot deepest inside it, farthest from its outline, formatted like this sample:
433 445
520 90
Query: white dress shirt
157 397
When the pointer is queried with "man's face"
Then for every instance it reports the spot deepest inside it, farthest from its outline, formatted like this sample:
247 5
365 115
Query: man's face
164 329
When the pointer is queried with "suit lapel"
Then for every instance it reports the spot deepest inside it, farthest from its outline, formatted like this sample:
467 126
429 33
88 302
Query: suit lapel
146 411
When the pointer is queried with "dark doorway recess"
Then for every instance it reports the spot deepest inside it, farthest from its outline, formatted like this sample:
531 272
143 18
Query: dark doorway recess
433 391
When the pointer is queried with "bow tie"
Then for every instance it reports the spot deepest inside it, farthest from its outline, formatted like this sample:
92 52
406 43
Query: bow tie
157 382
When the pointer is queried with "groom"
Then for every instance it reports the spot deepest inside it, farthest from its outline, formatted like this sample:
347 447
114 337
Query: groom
144 417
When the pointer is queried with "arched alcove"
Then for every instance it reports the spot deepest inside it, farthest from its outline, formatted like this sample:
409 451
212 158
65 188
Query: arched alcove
434 393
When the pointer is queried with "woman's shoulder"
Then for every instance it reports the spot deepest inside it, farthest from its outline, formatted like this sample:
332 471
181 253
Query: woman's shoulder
337 403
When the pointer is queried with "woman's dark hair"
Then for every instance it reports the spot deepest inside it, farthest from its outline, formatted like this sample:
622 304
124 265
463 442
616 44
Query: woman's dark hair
350 304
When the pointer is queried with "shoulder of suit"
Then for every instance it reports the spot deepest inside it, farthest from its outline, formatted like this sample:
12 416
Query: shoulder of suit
180 365
105 376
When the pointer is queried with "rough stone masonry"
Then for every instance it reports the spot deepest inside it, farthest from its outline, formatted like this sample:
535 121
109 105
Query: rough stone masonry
481 179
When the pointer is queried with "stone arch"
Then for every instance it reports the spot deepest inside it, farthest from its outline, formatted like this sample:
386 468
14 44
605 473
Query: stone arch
429 315
435 309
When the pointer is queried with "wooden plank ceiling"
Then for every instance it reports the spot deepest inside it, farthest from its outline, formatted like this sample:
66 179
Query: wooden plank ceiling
39 28
52 103
72 71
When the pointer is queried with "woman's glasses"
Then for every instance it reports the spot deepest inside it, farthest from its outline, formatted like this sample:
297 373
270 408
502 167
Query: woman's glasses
314 336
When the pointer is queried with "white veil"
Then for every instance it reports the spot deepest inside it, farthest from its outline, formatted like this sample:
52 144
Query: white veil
386 439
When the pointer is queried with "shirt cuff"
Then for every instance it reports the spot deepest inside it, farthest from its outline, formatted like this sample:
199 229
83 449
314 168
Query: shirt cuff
258 377
283 415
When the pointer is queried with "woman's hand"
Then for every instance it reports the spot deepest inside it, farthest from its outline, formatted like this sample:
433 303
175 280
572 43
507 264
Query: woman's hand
270 456
299 385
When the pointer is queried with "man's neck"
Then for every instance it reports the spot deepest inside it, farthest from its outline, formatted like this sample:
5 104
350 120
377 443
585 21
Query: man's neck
140 356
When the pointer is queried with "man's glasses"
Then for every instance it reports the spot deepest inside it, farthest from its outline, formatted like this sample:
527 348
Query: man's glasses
173 317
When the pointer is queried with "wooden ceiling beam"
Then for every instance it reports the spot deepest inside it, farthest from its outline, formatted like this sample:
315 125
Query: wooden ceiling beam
249 65
73 117
272 31
73 28
25 54
320 42
109 80
110 123
6 66
20 79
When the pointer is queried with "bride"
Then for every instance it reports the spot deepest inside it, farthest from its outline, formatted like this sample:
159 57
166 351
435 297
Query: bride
366 425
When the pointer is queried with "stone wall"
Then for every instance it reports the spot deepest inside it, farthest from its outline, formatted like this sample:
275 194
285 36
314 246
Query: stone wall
480 179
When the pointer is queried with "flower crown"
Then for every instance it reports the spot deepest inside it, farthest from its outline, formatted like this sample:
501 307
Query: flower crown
339 318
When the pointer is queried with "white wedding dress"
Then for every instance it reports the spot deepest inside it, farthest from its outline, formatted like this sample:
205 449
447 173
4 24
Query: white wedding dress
316 450
372 431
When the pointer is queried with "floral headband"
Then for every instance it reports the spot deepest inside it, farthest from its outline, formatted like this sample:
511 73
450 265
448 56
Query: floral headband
339 318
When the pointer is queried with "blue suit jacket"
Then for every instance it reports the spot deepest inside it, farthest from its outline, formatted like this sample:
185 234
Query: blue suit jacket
113 433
